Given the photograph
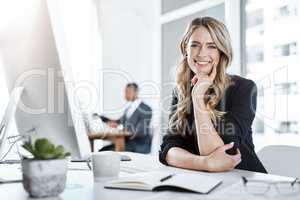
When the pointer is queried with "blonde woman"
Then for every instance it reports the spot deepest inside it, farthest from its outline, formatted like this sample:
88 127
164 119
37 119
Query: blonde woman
212 112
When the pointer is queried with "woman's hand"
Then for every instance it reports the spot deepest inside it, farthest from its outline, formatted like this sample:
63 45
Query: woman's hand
220 161
202 82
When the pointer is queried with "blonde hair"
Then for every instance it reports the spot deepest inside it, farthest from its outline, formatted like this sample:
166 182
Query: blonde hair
221 38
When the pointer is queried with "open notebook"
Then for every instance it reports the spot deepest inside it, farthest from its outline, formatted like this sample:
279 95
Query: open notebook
157 181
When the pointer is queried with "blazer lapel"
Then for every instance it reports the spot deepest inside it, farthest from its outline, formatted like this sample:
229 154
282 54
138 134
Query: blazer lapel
134 115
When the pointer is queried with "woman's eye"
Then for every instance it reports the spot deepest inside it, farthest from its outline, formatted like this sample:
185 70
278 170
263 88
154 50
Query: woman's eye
212 47
193 45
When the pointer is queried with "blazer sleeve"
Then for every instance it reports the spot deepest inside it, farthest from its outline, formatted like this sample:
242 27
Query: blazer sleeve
172 138
121 120
236 124
142 128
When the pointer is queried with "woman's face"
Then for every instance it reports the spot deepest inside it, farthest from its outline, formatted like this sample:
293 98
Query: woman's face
202 52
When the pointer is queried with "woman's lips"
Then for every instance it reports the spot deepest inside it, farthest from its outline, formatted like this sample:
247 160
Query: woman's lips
201 64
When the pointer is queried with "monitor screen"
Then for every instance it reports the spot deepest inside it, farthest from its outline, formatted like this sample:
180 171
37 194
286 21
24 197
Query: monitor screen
31 60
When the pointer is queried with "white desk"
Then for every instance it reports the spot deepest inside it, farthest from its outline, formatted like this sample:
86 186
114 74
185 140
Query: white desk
81 186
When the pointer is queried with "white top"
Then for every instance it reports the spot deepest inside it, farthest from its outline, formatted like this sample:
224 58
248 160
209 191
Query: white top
132 107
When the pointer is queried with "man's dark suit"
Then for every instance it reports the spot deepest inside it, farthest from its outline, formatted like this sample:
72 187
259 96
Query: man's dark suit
138 124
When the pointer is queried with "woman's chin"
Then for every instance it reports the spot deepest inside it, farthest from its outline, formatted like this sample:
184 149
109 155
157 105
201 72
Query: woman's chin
202 72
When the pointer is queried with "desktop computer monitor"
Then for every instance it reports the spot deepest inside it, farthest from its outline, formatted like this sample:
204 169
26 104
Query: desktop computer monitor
6 121
29 55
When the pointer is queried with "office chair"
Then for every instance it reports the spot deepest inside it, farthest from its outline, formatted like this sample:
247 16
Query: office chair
281 160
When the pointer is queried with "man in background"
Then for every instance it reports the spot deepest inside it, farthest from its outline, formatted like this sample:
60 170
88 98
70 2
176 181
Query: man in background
135 120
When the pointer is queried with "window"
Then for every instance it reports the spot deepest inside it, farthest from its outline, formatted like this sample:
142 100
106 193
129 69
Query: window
260 127
286 88
255 18
255 54
286 49
290 9
270 44
171 5
287 127
260 91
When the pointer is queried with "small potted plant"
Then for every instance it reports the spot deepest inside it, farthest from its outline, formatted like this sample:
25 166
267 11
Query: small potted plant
44 174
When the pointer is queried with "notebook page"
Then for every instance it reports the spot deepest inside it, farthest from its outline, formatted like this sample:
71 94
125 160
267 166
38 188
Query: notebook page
193 182
145 180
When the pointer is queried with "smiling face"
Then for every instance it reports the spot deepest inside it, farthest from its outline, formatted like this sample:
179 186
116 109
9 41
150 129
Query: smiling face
202 52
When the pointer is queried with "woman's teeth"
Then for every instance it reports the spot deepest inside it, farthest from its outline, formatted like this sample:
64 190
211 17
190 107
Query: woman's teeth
202 62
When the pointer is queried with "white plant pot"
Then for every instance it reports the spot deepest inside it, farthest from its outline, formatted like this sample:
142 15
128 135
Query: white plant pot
44 178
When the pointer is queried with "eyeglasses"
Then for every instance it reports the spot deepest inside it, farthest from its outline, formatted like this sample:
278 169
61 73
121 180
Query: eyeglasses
260 187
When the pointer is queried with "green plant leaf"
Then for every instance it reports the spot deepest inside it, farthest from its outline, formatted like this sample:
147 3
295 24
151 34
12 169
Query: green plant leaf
28 146
43 149
59 150
67 154
45 156
43 145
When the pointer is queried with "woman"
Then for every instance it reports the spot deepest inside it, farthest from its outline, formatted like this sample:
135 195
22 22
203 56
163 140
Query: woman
212 112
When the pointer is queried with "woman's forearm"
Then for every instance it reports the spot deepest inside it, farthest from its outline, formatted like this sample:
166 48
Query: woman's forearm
181 158
207 136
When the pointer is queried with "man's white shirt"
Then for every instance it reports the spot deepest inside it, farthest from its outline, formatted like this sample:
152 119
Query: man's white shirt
132 107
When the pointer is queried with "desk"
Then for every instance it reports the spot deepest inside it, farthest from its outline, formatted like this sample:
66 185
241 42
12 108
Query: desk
81 186
116 136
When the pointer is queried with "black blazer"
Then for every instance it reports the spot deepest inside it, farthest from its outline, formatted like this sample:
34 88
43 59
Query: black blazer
239 103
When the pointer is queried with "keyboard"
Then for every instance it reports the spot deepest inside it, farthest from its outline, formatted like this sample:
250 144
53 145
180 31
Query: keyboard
123 158
10 161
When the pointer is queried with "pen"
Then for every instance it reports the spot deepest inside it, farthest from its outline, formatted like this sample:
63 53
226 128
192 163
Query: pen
167 177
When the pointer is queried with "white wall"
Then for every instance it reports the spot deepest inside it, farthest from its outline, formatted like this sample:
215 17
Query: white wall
77 35
128 42
130 54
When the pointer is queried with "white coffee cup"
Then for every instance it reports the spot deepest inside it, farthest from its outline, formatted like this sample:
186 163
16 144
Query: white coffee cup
106 164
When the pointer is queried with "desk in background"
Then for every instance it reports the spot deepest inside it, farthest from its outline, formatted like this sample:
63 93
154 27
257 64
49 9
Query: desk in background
81 186
114 135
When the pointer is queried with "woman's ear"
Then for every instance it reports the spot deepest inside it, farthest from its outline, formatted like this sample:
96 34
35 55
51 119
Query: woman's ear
185 53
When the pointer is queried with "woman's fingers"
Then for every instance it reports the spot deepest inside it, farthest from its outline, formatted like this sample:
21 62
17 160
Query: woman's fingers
219 160
227 146
202 81
236 158
194 80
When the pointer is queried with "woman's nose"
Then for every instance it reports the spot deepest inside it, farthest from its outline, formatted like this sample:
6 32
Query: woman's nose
202 52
